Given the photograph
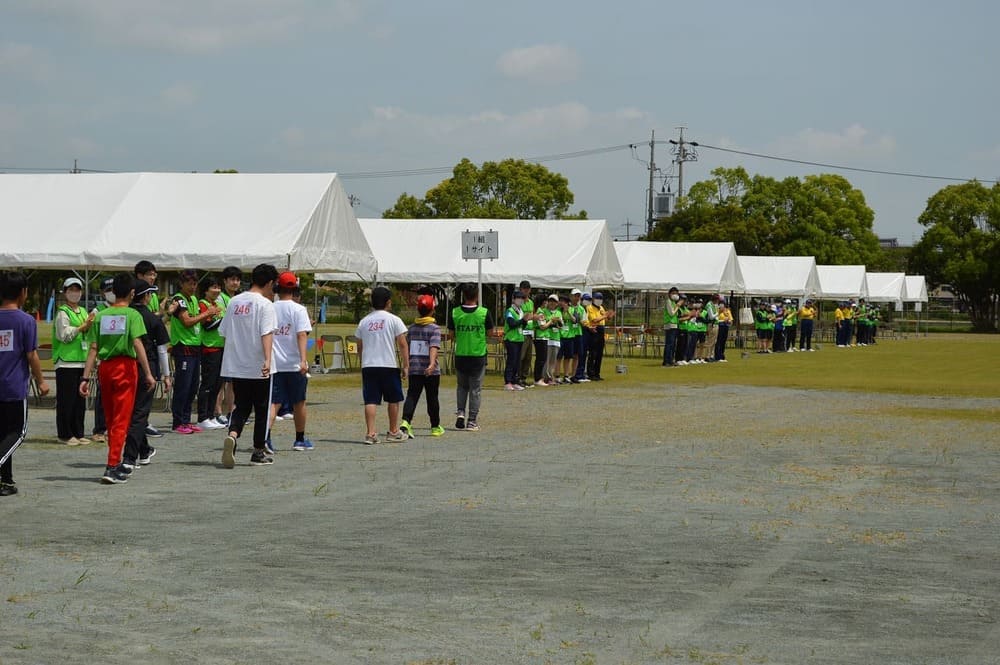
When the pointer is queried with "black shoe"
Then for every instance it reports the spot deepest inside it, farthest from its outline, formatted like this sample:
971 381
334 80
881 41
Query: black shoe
152 432
574 380
597 378
148 458
460 421
128 466
8 489
114 475
260 458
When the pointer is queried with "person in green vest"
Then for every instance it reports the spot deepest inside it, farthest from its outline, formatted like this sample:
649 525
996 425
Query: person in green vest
791 324
232 281
470 324
525 370
577 315
671 313
874 314
212 344
69 355
763 322
185 340
567 343
696 333
514 322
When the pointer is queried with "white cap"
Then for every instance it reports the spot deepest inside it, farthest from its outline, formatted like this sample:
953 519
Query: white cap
72 281
575 292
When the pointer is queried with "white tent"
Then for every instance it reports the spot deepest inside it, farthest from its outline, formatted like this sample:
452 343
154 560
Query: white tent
841 282
549 253
779 276
182 220
885 286
704 267
914 288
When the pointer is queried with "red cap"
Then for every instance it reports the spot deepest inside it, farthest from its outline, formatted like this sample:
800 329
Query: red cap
425 301
288 280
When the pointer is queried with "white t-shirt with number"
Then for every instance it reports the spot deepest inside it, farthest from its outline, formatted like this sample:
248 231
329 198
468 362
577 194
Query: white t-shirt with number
378 332
292 320
249 317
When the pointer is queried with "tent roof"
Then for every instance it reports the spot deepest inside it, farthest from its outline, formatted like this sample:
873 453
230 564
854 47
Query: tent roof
885 286
182 220
779 276
689 266
553 253
914 288
840 282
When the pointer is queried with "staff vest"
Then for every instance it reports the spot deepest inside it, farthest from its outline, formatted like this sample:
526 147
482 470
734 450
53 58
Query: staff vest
513 333
470 331
181 334
75 350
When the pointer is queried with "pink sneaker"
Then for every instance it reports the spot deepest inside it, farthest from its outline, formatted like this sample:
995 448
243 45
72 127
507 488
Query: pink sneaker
194 428
182 429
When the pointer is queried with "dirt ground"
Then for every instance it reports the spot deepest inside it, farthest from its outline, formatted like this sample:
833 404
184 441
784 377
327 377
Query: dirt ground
617 522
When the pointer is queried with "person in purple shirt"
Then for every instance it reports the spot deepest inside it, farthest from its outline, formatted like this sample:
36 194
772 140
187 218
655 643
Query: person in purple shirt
18 355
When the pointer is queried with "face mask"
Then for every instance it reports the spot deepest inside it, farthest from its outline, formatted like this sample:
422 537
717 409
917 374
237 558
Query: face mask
518 302
675 297
598 302
73 296
109 297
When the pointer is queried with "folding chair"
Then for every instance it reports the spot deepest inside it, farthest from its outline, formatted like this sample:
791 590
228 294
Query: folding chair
351 356
332 347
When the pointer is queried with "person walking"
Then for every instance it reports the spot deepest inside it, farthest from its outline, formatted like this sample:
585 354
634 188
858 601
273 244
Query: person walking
471 323
248 328
424 375
381 336
69 355
290 358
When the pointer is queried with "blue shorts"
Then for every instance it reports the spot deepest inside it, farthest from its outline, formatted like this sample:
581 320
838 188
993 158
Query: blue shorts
378 383
288 388
567 347
764 334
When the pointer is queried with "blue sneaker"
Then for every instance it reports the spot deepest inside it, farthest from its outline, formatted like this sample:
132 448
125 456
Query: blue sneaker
268 446
303 445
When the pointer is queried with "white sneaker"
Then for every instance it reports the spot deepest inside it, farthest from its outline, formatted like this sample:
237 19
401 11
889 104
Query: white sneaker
518 386
681 363
509 386
210 423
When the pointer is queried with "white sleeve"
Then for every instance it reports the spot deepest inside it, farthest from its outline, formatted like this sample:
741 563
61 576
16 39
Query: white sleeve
303 324
161 352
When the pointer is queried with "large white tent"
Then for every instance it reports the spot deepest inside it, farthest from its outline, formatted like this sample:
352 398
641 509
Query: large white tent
841 282
553 253
914 288
703 267
885 286
301 221
779 276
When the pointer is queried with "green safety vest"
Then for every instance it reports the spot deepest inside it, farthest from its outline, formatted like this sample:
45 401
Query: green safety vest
211 337
470 332
529 307
791 318
670 317
577 328
515 334
75 350
181 334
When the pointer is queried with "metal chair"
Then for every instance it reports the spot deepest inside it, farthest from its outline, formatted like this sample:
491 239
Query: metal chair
333 347
351 357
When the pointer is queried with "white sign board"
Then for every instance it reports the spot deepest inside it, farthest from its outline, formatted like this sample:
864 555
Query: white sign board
480 245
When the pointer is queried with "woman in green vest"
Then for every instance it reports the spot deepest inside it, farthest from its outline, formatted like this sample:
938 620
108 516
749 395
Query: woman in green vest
69 354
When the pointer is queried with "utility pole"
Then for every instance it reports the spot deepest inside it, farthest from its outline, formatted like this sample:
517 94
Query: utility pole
682 153
650 218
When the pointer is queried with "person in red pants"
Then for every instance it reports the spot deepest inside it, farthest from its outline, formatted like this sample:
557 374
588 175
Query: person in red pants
115 338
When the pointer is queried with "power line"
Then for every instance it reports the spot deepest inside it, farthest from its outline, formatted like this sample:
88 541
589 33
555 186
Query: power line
839 167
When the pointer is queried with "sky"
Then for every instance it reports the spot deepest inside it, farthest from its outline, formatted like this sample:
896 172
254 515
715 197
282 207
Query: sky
362 87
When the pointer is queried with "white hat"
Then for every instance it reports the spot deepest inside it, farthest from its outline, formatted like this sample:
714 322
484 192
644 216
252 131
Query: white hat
72 281
553 297
575 292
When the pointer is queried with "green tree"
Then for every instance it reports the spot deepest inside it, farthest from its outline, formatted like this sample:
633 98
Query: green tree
961 247
509 189
820 215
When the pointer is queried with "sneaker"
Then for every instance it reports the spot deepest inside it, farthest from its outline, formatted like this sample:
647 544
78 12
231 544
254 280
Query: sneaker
229 452
152 432
260 458
128 466
209 423
82 440
460 421
518 387
71 441
574 380
305 444
371 439
183 429
222 420
99 437
472 427
540 383
598 378
194 428
148 459
8 489
509 386
437 431
406 428
395 437
114 475
584 380
269 447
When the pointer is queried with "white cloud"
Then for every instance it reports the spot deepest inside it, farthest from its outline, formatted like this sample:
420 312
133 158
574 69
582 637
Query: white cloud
24 61
179 95
545 63
853 141
199 26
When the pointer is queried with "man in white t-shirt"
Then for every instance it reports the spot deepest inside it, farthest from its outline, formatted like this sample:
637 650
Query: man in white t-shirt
380 335
290 358
249 327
